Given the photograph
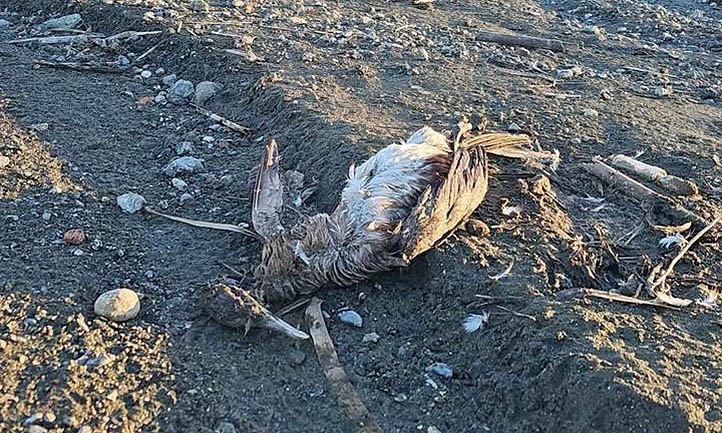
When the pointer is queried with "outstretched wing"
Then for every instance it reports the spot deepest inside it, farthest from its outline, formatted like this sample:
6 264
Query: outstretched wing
446 203
268 194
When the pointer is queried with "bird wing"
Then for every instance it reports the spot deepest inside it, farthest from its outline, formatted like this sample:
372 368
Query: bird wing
446 203
268 194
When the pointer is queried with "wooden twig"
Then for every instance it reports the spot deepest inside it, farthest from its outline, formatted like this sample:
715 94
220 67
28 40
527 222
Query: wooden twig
222 120
334 372
526 41
147 52
516 313
293 306
130 35
594 293
657 279
52 40
635 189
107 67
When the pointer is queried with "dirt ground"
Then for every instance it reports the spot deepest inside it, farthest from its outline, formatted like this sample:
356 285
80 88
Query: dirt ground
334 81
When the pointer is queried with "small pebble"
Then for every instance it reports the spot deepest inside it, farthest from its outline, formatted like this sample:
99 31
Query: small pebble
4 24
181 92
590 112
350 317
371 337
296 357
159 71
184 164
205 90
476 227
185 197
36 429
64 22
441 369
131 202
160 98
30 322
224 427
74 237
169 80
85 429
40 127
432 429
46 215
49 417
118 305
576 140
184 148
146 74
4 161
179 184
513 128
32 419
123 61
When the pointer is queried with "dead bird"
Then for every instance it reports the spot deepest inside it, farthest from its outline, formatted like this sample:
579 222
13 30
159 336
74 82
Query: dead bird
395 206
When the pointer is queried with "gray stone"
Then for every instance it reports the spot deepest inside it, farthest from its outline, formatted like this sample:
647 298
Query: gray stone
184 148
185 197
123 61
204 91
4 24
131 202
181 92
184 164
36 429
65 22
441 369
350 317
146 74
85 429
169 80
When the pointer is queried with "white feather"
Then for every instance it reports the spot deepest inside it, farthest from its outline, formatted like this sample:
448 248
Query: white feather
668 241
474 322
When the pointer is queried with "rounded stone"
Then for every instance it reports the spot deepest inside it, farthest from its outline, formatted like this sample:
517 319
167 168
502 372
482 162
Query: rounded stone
118 305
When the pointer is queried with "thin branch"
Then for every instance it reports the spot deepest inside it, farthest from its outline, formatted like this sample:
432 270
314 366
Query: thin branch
526 41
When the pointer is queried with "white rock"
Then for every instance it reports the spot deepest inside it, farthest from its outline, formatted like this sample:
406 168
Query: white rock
65 22
4 161
118 305
179 184
146 74
371 337
590 112
131 202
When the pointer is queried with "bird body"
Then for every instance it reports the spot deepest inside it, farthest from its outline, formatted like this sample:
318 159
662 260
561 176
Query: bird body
398 204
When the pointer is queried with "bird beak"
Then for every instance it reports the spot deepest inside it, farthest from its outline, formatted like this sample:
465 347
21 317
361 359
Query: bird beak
271 321
265 319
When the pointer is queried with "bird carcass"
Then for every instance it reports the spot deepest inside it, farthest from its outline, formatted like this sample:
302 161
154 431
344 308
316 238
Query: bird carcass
395 206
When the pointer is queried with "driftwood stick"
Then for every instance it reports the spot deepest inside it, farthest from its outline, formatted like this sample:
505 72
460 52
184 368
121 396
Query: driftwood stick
525 41
637 190
106 67
332 368
222 120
